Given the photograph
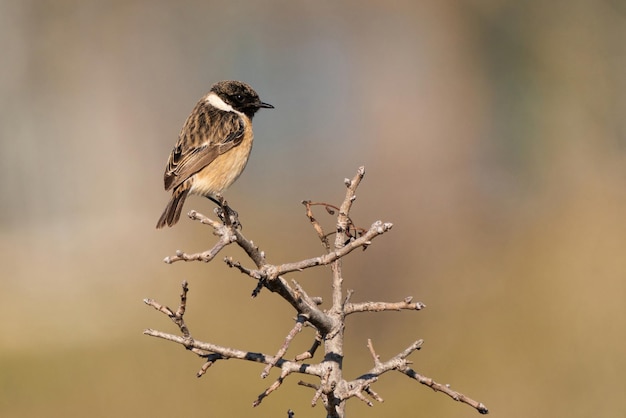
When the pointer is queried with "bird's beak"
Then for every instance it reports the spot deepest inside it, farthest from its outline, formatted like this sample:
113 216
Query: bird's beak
266 105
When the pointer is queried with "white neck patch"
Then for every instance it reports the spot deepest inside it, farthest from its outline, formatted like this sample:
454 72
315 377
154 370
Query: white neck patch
216 101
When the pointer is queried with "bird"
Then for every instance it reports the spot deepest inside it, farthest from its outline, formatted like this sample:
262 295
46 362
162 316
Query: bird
213 147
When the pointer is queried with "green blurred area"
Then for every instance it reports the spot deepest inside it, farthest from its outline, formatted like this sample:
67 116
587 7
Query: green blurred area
494 138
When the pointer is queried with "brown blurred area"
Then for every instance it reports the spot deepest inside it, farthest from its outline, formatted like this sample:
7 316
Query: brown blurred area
493 136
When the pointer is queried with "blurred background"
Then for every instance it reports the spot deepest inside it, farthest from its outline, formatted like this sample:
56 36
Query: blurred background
494 138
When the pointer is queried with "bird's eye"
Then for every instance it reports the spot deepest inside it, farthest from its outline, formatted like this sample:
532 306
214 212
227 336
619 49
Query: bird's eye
239 98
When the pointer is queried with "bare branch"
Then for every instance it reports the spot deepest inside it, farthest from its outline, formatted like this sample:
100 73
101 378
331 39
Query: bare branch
225 232
344 210
400 363
257 290
301 293
343 228
311 351
256 255
352 231
271 272
329 324
346 300
176 317
302 305
318 390
283 349
272 388
214 352
396 363
375 356
308 385
211 359
445 389
323 382
196 216
377 228
383 306
357 389
236 264
231 353
373 394
318 228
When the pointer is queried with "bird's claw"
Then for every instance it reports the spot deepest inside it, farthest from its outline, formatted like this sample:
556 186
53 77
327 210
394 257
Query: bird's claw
228 215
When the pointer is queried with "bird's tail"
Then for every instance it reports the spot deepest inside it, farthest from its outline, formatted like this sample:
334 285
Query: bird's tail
172 211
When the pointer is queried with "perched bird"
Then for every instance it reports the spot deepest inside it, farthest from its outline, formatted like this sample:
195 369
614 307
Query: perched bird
212 148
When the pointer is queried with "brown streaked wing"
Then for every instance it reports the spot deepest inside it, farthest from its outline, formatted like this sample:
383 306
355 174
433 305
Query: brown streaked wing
186 159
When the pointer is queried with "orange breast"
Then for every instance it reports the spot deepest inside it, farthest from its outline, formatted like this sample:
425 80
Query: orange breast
224 170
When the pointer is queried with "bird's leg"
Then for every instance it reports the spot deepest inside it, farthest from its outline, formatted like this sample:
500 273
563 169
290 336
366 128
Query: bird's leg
219 210
226 214
232 216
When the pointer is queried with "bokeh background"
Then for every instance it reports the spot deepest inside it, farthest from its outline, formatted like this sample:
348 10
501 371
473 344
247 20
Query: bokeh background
494 138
